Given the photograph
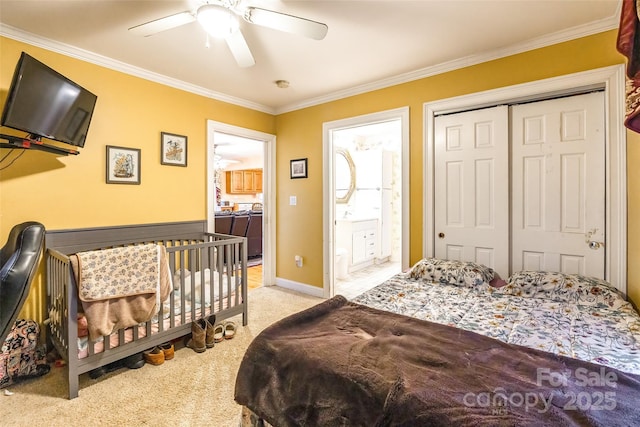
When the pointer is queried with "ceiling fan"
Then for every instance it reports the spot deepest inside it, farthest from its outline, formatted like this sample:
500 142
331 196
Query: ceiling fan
219 19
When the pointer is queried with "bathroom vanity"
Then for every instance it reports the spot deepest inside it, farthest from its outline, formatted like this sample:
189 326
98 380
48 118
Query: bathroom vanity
359 237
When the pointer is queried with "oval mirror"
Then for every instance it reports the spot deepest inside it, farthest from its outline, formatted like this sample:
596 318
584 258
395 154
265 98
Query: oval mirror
345 176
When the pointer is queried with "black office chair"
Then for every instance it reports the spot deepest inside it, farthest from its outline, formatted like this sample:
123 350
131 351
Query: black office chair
18 262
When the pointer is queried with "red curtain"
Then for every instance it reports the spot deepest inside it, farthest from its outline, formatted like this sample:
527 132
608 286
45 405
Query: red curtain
629 45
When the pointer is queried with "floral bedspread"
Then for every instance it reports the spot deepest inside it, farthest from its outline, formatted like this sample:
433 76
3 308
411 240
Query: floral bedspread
607 334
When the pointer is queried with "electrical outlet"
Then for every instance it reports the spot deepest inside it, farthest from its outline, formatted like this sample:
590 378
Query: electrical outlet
298 259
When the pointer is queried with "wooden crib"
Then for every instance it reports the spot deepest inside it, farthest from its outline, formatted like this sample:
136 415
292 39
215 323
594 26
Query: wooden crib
201 263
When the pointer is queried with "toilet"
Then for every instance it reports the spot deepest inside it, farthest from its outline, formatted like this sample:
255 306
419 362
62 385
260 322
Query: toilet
341 267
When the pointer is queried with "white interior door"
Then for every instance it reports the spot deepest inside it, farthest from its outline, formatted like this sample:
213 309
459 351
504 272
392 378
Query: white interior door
558 189
472 187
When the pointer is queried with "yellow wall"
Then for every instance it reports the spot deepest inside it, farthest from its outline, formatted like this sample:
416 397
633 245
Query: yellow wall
633 212
70 191
132 112
300 135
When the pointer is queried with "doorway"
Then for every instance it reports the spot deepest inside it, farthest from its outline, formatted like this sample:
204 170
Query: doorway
256 203
366 201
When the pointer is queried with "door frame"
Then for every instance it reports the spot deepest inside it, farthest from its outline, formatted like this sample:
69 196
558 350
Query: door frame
268 190
328 186
612 80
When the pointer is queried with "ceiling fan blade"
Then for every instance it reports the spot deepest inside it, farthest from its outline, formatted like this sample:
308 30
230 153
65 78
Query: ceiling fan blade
287 23
168 22
240 49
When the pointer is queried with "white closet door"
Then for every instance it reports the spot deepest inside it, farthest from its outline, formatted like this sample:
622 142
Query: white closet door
472 187
558 189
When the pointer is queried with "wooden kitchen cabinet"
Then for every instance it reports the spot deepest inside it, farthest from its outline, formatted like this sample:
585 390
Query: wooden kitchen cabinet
244 181
235 182
258 180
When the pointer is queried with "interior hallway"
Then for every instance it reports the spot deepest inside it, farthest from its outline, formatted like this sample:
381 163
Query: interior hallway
254 277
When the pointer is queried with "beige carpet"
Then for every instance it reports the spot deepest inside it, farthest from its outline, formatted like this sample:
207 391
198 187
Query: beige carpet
193 389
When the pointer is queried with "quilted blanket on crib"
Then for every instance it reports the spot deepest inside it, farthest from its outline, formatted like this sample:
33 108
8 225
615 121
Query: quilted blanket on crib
603 330
129 305
118 272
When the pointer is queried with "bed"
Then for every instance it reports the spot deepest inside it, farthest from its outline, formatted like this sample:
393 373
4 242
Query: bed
208 276
443 345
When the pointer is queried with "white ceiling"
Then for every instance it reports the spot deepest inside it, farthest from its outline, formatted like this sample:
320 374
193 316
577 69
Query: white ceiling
234 148
370 44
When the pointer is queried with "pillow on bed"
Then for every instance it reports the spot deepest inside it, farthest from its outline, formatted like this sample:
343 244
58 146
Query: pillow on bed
497 282
458 273
574 288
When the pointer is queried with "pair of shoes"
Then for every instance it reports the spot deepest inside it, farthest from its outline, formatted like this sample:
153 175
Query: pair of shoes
229 330
168 350
210 337
218 332
135 361
97 372
155 356
197 342
224 331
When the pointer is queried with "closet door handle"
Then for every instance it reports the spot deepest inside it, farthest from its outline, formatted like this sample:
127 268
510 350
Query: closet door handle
441 235
592 243
595 245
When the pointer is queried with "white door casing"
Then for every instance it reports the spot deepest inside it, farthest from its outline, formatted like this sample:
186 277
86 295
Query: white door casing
385 249
328 188
558 185
268 186
472 187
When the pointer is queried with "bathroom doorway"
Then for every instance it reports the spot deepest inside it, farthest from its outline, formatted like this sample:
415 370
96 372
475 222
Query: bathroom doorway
367 207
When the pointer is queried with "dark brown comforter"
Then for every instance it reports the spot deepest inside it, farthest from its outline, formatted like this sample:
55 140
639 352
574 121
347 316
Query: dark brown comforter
342 364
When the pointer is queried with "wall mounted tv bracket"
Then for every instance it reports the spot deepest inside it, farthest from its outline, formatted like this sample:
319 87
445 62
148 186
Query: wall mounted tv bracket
33 143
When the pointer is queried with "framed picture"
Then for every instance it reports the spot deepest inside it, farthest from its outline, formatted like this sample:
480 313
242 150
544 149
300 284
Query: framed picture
173 149
298 168
123 165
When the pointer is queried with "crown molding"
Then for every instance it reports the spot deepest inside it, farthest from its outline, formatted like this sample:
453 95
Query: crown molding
547 40
104 61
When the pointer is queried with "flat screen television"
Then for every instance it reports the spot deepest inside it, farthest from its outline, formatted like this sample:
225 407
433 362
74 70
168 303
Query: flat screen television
44 103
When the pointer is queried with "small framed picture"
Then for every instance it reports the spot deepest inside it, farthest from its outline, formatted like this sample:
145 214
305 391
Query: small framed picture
123 165
298 168
173 149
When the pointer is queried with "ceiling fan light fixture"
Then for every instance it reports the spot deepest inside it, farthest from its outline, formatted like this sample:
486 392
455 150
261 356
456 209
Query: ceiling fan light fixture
217 21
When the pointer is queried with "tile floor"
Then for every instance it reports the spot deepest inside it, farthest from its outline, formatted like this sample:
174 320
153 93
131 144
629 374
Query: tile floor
365 279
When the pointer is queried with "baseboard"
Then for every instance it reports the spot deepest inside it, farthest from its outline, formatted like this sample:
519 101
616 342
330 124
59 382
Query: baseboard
300 287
